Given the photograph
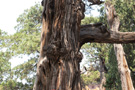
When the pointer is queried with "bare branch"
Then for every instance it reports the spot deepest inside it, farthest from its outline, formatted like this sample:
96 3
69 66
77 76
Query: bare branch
95 2
100 34
82 72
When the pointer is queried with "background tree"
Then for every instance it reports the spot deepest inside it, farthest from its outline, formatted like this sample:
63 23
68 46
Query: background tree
24 42
5 65
112 77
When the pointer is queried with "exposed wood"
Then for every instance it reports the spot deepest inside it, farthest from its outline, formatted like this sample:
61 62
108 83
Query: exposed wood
59 64
124 71
113 21
100 34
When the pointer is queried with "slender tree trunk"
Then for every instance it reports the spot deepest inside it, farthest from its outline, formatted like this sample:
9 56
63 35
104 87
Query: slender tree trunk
102 74
59 64
126 81
102 81
113 21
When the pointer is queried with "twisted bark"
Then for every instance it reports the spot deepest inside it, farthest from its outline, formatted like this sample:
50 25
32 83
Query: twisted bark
59 64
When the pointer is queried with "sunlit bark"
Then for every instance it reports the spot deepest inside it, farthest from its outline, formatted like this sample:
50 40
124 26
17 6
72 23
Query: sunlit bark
59 64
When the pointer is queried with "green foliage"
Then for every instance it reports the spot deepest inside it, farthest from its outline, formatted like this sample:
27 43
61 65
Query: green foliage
28 32
25 41
94 52
26 69
89 20
92 77
9 85
126 11
14 85
5 65
5 55
112 77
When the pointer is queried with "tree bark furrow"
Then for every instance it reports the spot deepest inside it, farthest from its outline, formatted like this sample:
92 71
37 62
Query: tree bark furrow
59 50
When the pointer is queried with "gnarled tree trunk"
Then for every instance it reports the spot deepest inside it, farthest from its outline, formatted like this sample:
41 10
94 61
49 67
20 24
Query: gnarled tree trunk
59 64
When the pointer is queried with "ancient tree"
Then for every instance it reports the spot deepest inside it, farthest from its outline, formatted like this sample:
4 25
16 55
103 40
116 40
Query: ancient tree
61 39
58 67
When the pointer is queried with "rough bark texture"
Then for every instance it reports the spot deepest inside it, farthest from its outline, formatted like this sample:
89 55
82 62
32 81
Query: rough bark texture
59 64
98 33
113 21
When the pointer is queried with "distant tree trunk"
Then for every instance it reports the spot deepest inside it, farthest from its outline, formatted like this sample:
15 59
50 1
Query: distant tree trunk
102 73
59 64
113 21
126 81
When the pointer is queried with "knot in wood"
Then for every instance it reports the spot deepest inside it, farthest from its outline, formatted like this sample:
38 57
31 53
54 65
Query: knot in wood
104 29
79 56
52 49
80 9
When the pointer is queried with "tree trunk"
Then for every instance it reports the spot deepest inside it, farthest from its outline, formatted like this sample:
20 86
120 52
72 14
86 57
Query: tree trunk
102 74
59 64
126 81
113 21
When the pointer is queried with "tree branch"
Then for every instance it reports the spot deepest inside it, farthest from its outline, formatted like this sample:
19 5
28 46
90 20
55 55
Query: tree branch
95 2
100 34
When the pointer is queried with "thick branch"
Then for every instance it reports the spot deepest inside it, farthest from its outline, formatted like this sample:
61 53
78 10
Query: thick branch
95 2
100 34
